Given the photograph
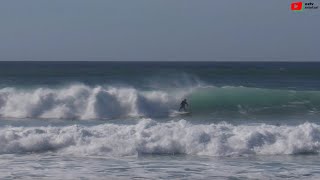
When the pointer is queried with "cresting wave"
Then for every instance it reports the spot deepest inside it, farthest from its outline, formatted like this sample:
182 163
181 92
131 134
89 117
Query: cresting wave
83 102
107 102
151 137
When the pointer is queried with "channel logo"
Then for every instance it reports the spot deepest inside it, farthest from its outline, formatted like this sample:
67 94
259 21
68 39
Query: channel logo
296 6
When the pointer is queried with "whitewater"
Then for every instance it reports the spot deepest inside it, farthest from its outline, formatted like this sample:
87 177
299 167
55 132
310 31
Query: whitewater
108 120
150 137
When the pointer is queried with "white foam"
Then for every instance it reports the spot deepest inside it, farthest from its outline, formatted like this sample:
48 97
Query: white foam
151 137
84 102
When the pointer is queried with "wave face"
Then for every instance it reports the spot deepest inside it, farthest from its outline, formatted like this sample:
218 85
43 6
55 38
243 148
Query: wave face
108 102
151 137
254 100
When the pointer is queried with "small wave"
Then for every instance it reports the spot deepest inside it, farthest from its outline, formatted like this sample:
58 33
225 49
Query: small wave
151 137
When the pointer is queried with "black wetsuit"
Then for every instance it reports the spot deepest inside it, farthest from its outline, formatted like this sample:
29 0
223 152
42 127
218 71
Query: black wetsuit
183 105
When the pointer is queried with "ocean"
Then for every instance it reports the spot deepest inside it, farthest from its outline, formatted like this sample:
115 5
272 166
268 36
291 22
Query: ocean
119 120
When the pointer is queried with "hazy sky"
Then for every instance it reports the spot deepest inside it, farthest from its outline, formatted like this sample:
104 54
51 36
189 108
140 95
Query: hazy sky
157 30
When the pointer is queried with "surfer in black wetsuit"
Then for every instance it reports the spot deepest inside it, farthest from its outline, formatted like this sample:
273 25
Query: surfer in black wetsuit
183 105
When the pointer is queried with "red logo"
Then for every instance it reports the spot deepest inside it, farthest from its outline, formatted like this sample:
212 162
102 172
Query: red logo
296 6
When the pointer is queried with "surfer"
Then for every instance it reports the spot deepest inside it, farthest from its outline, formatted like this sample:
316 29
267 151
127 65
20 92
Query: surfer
183 105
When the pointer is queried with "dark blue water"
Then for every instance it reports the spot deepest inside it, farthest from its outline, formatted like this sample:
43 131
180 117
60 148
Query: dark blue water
284 75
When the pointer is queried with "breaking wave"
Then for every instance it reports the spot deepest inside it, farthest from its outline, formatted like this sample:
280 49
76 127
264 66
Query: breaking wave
83 102
107 102
151 137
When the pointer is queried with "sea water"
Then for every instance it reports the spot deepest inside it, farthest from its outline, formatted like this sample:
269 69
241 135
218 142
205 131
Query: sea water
113 120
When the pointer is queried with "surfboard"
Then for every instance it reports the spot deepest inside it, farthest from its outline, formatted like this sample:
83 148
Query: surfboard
184 112
175 113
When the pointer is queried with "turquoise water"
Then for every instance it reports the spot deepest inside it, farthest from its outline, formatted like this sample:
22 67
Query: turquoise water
98 120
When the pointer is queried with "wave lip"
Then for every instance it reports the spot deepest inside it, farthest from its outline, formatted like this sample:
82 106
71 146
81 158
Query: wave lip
151 137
